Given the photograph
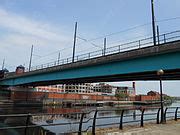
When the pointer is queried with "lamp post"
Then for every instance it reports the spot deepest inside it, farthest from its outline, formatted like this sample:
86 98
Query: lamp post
160 73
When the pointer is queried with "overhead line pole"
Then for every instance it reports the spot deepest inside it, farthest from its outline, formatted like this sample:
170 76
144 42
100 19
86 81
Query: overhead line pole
59 55
158 38
30 61
74 45
3 64
153 22
104 46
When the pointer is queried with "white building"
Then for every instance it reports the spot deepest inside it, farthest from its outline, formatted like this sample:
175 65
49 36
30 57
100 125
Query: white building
88 88
67 88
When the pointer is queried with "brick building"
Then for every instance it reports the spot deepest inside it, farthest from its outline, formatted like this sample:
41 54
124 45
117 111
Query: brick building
151 96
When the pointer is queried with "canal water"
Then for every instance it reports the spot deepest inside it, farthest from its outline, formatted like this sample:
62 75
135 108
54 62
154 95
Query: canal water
53 115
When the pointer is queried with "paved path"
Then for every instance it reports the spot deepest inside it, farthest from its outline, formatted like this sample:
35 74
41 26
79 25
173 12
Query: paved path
171 128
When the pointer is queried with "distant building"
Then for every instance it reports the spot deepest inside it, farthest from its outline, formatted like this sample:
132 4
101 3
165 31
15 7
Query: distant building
80 88
153 93
20 69
130 91
126 90
88 88
103 88
78 91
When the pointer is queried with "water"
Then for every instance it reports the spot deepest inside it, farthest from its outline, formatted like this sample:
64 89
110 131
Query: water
136 115
56 119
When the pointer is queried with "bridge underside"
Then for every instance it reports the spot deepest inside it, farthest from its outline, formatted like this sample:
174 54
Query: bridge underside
141 64
143 76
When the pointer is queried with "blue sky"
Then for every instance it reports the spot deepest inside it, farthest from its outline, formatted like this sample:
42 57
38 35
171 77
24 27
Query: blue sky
49 26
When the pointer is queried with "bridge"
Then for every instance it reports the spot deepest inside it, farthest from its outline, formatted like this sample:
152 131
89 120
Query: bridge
138 60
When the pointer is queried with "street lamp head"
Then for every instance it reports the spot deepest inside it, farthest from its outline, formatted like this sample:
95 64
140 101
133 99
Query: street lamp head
160 72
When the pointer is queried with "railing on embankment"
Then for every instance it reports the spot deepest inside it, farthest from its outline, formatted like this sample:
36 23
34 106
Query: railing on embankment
97 119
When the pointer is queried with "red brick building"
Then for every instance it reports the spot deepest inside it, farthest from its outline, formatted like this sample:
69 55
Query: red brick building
151 95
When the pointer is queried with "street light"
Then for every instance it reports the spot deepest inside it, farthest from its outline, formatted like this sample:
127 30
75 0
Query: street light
160 73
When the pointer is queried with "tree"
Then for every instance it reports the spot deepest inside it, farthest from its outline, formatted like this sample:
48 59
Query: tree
121 96
168 98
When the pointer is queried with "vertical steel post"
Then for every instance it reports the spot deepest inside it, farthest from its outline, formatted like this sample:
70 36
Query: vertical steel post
158 34
161 98
176 112
153 22
59 55
80 124
89 55
74 45
27 124
157 121
142 118
3 64
94 123
104 46
139 44
165 115
164 38
30 61
119 48
121 120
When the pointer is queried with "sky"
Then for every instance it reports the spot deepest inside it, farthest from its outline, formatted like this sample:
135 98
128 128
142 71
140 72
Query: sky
49 26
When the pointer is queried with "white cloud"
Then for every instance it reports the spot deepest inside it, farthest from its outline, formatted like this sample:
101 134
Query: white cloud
23 25
16 49
20 32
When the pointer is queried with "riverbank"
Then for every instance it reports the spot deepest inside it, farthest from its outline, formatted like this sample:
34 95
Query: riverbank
170 128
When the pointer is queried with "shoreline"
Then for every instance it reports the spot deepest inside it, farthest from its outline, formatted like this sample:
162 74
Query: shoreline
134 129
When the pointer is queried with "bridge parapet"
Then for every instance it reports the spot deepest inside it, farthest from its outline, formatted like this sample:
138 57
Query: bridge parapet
126 47
136 63
170 47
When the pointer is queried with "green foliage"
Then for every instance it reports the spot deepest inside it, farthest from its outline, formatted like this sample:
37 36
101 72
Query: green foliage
121 96
168 98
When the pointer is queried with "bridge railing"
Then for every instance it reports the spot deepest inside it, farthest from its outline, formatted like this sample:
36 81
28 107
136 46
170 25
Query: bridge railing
98 118
138 44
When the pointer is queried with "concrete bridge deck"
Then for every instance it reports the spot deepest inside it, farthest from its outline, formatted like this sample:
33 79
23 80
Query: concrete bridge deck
141 62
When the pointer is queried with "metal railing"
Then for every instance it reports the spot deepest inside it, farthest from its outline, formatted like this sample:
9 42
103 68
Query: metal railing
95 121
146 42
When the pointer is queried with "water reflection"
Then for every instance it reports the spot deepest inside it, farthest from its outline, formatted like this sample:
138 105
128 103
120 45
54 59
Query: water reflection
60 115
134 115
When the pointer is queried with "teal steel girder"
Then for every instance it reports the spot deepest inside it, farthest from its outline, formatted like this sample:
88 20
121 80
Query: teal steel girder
150 63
